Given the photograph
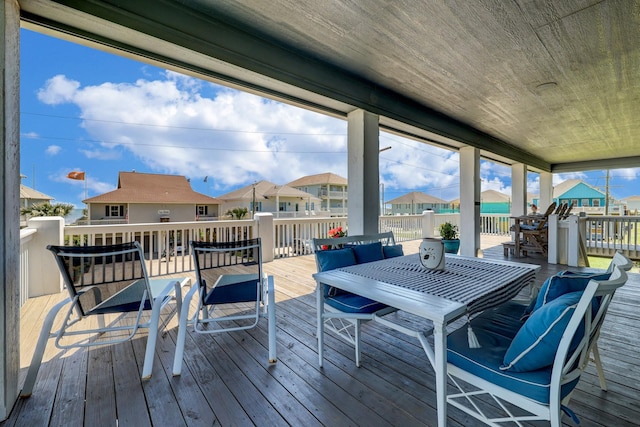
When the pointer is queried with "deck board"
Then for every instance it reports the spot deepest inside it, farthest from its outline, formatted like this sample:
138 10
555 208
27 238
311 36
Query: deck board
227 380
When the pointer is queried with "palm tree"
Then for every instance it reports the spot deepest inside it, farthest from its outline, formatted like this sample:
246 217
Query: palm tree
47 209
238 213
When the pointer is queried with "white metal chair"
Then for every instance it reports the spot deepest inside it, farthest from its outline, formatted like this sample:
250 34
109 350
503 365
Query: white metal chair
624 263
228 273
541 391
102 281
343 312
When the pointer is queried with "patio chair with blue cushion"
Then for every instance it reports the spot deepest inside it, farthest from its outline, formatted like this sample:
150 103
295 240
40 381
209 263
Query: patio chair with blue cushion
344 312
534 365
232 293
105 282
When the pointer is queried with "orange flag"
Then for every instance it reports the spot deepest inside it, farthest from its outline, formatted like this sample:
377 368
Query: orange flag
76 175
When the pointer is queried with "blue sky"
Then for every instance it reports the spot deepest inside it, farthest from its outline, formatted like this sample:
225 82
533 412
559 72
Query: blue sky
86 110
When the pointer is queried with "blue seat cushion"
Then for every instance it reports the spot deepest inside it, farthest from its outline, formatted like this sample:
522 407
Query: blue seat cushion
367 252
231 288
126 300
332 259
392 251
533 226
352 303
536 343
485 362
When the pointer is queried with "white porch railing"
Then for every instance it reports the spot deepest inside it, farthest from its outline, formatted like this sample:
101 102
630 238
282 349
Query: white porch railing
604 235
166 245
293 236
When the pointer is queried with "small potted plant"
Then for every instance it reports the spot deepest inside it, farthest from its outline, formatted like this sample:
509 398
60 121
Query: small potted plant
449 235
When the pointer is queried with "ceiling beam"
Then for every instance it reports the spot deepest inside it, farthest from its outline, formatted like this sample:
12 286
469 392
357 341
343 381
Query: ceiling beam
617 163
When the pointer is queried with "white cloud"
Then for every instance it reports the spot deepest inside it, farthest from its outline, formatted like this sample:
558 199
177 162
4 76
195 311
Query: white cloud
52 150
101 154
628 174
58 90
235 137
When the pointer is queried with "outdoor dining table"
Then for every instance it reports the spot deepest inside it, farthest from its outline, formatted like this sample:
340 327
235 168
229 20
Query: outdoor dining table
466 286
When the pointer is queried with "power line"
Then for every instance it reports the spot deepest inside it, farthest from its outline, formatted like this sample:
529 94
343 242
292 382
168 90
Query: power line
53 138
181 127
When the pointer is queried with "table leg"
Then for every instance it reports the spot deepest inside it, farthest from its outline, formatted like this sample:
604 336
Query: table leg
320 320
440 368
517 239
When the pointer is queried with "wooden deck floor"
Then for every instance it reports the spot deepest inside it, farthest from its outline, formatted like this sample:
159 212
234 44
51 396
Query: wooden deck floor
227 380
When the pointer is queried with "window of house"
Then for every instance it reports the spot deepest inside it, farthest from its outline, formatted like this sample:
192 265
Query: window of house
203 210
282 207
114 211
596 202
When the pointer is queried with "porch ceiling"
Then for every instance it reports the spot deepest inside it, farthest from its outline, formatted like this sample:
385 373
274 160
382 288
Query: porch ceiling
553 84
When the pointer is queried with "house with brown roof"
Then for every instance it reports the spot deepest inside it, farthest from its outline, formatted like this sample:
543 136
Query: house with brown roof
264 196
330 188
415 202
30 197
147 198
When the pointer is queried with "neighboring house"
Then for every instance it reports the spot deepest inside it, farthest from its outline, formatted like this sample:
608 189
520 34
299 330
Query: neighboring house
491 202
330 188
415 202
494 202
585 198
28 198
283 201
146 197
632 204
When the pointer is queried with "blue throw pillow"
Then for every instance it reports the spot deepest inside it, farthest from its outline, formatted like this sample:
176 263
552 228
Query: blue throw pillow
563 283
536 343
392 251
337 258
332 259
368 252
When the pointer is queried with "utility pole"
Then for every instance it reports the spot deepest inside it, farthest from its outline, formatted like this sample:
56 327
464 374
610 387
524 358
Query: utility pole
253 202
606 194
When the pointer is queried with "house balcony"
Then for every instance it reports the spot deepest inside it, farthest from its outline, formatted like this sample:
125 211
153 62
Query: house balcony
226 379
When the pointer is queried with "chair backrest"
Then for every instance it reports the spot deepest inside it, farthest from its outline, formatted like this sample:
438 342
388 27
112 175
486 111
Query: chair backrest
585 324
93 274
216 259
551 209
562 208
385 238
567 212
620 260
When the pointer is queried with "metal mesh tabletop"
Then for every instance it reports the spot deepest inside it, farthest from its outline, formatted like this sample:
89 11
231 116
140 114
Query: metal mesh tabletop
477 283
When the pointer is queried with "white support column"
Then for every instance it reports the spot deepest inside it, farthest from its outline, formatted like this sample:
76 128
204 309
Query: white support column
555 247
264 223
546 190
573 241
469 201
9 204
363 173
518 189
